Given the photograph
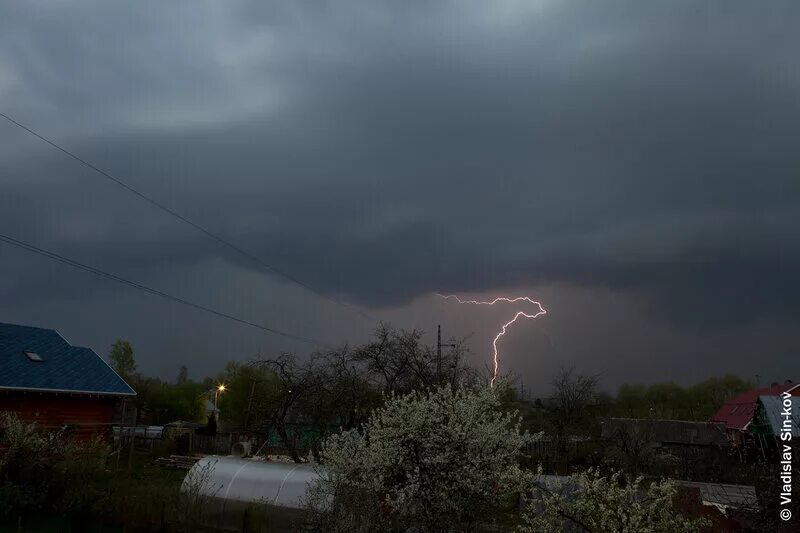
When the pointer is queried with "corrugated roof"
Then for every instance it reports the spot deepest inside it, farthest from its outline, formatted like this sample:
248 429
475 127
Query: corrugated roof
773 408
720 494
63 368
738 413
740 496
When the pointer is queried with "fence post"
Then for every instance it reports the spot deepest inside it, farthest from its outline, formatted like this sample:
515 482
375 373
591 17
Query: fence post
133 438
121 432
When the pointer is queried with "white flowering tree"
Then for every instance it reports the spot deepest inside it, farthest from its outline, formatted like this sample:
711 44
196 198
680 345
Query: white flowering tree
590 502
436 461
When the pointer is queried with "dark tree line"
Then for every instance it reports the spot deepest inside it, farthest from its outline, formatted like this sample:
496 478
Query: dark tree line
340 388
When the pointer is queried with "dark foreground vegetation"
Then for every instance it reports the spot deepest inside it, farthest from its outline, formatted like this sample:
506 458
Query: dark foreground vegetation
408 439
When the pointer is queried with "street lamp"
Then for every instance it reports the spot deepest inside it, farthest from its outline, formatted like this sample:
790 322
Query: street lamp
217 390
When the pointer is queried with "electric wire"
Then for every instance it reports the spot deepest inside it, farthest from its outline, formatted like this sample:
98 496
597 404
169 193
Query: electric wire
208 233
119 279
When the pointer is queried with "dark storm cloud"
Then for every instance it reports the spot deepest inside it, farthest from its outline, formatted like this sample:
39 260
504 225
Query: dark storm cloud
381 151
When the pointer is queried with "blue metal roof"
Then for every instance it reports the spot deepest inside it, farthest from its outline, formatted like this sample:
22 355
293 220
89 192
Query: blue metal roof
774 408
63 368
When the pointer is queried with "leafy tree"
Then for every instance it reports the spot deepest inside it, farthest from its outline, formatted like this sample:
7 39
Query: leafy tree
248 389
589 502
669 400
183 375
122 360
167 402
436 460
631 401
709 395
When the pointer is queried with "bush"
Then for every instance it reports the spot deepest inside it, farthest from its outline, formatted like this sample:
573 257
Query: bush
48 470
437 461
590 502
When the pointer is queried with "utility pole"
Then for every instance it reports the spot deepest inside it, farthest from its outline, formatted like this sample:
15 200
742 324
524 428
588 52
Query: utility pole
439 353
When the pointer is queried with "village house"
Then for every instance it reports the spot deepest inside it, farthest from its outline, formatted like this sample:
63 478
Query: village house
45 379
739 413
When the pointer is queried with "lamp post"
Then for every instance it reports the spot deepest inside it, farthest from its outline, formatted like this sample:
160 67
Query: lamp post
217 390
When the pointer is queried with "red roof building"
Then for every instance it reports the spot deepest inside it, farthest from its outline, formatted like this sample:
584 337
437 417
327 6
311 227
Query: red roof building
738 413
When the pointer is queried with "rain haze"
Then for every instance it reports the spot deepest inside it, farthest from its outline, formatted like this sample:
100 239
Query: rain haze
633 166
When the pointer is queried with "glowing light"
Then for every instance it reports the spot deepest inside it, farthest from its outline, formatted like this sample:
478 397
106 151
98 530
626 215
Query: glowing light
517 299
221 387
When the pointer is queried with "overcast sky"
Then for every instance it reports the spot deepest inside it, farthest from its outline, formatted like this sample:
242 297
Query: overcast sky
632 165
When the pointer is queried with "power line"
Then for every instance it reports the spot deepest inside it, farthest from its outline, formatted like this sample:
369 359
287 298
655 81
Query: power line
96 271
195 225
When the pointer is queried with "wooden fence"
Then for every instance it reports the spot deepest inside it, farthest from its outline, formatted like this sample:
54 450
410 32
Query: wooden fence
219 444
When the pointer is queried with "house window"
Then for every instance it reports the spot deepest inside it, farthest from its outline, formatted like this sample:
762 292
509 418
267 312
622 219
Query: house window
33 356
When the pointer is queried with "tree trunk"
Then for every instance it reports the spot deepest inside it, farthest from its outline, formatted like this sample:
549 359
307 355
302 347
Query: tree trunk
287 442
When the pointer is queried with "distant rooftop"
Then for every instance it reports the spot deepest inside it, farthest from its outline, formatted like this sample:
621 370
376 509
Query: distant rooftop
723 495
737 414
773 411
39 359
666 431
717 494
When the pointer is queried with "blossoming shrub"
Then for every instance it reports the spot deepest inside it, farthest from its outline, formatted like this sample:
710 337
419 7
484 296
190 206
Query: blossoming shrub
41 470
437 461
590 502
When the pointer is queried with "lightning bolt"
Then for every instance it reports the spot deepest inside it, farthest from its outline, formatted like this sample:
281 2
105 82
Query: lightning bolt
523 314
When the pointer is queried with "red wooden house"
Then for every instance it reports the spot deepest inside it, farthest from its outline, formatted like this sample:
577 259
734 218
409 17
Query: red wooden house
45 379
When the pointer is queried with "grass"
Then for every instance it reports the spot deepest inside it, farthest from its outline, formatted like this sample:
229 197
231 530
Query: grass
139 500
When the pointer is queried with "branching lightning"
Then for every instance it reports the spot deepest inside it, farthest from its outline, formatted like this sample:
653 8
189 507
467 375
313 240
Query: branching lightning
495 354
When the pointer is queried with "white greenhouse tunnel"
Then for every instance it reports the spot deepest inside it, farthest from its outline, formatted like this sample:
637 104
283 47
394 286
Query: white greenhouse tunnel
232 491
249 481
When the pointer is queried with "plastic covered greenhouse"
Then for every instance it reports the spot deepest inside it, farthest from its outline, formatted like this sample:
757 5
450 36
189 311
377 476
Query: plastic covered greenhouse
231 491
